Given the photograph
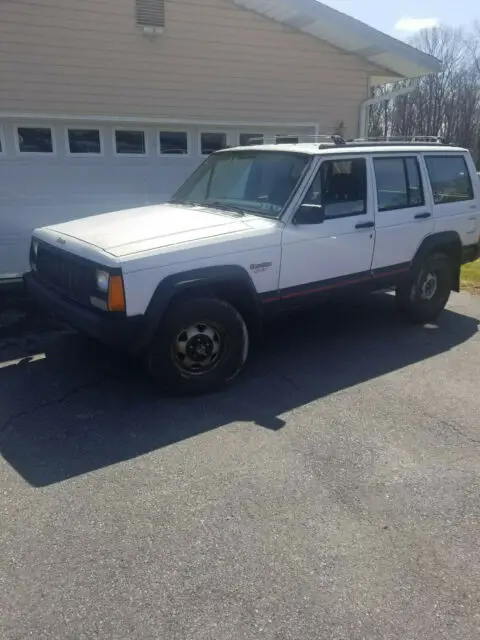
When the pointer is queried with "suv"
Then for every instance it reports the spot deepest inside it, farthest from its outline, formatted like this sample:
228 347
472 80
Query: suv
256 230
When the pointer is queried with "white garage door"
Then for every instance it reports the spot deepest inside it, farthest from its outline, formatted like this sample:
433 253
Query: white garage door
53 173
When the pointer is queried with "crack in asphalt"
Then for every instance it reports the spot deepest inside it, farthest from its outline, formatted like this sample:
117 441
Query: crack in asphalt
49 403
459 431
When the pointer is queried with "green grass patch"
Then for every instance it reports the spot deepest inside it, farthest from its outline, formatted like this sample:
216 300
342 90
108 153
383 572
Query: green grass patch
471 276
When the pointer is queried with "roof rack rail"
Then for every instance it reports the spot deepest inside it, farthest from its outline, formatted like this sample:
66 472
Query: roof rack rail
399 140
324 139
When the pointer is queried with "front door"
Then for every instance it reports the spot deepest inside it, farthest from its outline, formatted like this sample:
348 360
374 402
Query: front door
337 249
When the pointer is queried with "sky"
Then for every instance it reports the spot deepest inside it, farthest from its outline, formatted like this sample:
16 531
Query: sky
402 18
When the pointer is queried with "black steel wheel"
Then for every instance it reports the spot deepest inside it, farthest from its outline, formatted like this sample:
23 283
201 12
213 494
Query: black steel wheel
424 297
202 345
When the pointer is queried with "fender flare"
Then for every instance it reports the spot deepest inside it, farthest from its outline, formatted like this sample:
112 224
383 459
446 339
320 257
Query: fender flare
233 281
448 242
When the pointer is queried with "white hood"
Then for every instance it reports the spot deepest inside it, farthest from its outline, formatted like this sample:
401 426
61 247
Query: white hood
123 233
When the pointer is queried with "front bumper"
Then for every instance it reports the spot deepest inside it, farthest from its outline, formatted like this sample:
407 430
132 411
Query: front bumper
114 329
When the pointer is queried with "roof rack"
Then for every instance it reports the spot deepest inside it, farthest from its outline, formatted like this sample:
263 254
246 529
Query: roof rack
401 140
327 139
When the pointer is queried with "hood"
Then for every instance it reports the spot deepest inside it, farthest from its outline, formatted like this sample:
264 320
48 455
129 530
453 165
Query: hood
123 233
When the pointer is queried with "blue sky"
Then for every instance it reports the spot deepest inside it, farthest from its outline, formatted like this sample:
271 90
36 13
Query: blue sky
401 18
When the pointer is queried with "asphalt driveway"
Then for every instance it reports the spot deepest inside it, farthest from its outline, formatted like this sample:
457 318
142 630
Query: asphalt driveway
333 493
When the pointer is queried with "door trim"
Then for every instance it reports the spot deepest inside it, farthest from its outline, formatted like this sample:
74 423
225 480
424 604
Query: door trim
374 279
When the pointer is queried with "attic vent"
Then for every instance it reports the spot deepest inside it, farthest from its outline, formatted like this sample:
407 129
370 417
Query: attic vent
150 13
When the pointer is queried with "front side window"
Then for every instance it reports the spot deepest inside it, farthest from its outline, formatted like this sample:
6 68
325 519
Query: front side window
258 182
85 141
449 178
35 140
399 185
211 142
340 186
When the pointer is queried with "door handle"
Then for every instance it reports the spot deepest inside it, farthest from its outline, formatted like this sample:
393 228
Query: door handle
364 225
421 216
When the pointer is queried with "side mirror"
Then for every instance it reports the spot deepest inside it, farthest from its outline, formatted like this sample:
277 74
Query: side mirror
309 214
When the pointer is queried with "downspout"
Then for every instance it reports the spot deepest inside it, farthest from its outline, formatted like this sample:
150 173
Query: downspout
391 95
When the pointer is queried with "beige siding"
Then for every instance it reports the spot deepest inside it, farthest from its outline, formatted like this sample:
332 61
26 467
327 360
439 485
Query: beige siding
213 62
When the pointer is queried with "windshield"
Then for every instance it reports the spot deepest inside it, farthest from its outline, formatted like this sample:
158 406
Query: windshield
259 182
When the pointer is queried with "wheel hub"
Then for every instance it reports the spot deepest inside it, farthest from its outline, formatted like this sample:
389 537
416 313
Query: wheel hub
197 349
429 286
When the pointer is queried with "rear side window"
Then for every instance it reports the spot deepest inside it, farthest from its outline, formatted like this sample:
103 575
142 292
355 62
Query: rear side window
399 184
449 178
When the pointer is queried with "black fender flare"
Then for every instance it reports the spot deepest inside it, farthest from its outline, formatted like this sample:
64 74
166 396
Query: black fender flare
448 242
231 282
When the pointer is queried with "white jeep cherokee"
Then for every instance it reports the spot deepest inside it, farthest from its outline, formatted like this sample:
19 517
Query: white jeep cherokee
256 230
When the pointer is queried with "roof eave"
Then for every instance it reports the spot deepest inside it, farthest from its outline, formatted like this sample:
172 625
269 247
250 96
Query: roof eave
348 34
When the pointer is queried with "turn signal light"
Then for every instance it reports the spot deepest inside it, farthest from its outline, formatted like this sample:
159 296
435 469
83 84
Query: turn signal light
116 294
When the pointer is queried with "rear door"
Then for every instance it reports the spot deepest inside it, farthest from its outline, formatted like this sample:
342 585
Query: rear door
403 209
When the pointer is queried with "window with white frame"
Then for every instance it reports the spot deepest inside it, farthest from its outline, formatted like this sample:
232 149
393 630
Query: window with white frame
35 139
286 139
246 139
84 141
212 141
173 143
130 142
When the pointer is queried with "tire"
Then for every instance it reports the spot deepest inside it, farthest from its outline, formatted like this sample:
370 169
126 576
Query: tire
201 346
424 297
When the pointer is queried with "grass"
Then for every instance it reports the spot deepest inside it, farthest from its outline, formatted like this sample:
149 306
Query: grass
471 276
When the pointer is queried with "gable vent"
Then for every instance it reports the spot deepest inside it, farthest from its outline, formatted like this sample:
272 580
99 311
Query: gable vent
150 13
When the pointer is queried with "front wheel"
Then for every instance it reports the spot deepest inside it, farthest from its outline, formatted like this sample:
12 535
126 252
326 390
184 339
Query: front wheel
202 345
424 297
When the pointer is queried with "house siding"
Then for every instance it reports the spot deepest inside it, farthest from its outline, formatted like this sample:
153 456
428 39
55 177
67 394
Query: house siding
214 62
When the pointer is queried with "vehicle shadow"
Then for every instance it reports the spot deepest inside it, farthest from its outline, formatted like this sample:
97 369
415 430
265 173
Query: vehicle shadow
83 407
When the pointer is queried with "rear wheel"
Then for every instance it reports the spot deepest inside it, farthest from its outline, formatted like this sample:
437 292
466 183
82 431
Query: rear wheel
424 297
201 346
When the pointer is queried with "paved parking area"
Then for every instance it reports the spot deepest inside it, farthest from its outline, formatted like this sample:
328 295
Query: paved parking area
333 493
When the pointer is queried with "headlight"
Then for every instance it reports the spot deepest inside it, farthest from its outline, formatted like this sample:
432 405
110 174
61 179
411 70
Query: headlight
103 280
34 248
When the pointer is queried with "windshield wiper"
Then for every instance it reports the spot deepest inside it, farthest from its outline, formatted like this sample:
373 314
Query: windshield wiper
223 206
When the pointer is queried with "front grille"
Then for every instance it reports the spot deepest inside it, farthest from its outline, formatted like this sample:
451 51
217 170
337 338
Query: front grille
71 275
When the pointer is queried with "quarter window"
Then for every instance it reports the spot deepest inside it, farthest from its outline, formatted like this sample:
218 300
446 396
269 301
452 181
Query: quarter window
35 140
449 178
211 142
399 185
341 187
84 141
129 142
174 143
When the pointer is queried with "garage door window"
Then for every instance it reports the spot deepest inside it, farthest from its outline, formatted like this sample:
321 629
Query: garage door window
250 138
449 178
280 139
84 141
35 140
173 143
211 142
131 143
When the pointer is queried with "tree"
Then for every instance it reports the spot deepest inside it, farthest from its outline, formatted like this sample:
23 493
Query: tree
445 104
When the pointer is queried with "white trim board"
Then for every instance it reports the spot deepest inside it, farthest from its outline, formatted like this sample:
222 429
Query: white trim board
71 117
